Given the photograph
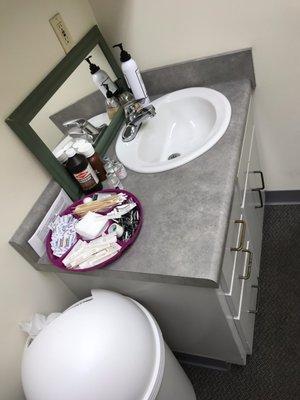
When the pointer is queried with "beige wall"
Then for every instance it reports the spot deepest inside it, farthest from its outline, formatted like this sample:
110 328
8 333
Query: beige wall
167 31
29 50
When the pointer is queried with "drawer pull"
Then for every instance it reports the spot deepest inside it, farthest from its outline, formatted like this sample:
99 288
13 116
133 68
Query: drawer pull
262 180
259 189
257 298
249 265
242 237
260 198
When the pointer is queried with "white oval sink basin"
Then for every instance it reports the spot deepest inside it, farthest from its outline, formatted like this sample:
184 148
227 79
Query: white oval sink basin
187 123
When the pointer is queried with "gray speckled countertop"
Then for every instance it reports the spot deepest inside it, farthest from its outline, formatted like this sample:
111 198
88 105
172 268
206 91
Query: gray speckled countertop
187 209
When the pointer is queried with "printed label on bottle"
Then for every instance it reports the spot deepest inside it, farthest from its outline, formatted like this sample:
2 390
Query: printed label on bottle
111 86
87 178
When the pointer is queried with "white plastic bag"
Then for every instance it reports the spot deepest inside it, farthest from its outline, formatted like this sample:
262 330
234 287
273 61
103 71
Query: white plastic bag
37 324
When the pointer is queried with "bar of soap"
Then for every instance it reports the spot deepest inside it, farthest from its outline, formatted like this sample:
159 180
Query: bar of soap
91 225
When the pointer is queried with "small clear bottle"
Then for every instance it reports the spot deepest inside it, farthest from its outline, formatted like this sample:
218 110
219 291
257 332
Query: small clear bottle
113 181
105 159
109 167
120 170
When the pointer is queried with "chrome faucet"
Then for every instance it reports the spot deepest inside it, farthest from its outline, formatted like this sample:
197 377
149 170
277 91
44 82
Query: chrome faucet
135 115
86 129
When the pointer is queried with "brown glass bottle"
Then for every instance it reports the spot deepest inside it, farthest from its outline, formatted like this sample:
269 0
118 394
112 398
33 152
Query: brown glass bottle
93 158
82 171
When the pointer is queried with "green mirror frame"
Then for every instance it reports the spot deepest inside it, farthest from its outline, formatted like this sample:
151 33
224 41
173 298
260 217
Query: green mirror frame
19 120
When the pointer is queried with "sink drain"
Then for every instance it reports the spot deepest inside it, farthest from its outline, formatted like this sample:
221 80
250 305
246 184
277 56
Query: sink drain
174 155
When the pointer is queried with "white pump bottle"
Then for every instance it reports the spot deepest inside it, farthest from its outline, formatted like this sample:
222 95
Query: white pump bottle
101 78
132 75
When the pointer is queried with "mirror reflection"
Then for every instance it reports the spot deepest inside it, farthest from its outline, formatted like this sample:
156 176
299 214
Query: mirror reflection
78 108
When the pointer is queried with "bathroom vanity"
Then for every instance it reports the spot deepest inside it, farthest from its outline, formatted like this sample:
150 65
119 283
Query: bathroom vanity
195 264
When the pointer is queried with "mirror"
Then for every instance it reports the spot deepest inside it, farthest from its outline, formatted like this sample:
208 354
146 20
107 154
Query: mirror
71 101
69 93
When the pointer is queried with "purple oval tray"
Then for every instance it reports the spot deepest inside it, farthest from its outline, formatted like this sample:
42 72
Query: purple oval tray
57 261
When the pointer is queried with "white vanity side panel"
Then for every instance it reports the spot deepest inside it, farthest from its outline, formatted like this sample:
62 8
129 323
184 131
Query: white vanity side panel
193 320
245 153
255 216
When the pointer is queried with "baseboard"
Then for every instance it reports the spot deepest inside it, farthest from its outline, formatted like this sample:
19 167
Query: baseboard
277 197
204 362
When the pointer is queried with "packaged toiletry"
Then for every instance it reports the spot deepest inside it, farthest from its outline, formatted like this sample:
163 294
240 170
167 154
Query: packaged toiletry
132 75
100 78
117 229
82 171
63 234
85 255
91 225
103 204
112 105
93 158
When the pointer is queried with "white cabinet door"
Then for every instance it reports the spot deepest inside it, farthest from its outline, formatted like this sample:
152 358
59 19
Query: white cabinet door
237 291
245 318
253 203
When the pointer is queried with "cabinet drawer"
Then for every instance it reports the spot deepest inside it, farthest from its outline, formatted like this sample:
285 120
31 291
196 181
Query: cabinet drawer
245 154
245 318
233 239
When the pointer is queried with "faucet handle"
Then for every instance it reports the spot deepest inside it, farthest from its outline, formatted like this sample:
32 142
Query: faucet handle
75 122
132 108
69 124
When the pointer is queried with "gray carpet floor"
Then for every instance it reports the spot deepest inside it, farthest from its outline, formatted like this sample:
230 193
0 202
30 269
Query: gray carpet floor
273 371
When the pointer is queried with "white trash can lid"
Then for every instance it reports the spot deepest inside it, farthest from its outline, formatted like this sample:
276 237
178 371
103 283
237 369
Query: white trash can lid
107 347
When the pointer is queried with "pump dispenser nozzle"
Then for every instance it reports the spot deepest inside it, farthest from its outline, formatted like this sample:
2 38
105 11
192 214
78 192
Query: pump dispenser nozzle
93 67
124 56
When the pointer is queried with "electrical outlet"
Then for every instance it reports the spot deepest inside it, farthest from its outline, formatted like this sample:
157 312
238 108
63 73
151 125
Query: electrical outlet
62 32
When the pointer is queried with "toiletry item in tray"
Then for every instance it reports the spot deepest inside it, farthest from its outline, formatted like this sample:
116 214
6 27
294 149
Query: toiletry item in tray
94 231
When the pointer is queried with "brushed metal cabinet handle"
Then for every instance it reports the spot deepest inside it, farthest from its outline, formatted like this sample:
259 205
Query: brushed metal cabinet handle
242 237
249 265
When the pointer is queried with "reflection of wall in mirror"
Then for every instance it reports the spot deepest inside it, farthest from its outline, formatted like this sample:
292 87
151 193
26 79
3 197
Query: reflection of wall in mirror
78 85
